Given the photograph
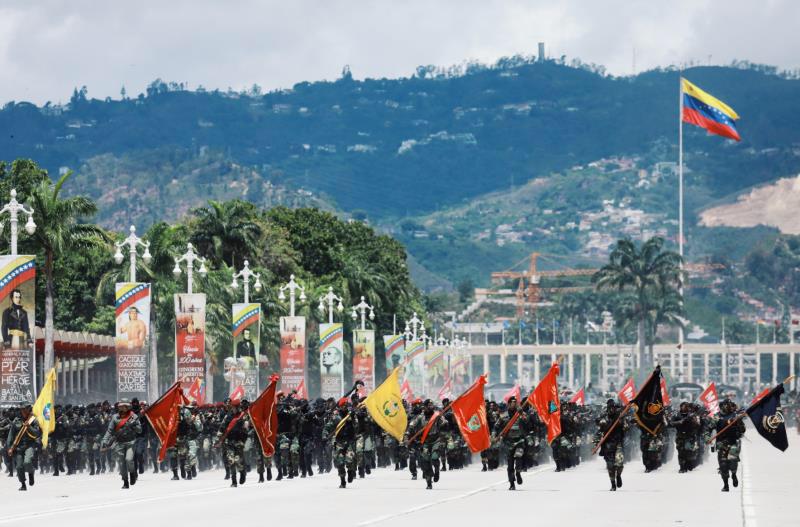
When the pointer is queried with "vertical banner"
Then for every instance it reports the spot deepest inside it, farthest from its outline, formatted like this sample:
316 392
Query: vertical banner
395 347
331 360
415 366
364 358
246 339
190 343
132 309
434 369
17 303
293 353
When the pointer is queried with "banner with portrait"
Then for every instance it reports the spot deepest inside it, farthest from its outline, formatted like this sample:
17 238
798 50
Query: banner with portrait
293 353
435 369
132 310
190 343
331 360
18 306
244 370
415 366
395 348
364 358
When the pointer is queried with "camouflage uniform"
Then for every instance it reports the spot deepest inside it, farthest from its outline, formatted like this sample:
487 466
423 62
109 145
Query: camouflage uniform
236 429
513 443
344 456
729 443
29 442
122 430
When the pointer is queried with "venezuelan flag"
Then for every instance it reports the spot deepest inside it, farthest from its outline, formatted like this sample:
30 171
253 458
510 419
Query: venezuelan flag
706 111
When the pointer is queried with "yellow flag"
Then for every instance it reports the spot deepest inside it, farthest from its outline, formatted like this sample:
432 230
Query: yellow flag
44 407
385 405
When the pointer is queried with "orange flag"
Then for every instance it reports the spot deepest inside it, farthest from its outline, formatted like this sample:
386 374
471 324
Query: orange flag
264 417
470 413
163 417
628 392
545 399
237 394
579 398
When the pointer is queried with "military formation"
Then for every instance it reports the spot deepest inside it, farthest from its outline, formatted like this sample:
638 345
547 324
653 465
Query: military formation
319 436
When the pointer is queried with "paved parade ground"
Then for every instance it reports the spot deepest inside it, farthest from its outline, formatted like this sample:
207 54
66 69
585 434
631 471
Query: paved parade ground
470 497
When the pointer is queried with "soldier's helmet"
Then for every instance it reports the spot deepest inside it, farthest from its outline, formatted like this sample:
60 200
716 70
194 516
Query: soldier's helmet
726 406
124 402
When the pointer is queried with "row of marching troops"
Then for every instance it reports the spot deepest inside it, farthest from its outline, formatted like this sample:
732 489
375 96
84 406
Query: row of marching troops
326 434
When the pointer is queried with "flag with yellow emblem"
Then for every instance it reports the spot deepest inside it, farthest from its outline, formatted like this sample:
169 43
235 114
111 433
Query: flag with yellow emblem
385 405
43 408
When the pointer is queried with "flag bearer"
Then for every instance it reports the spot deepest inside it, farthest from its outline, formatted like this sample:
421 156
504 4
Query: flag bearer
122 431
24 437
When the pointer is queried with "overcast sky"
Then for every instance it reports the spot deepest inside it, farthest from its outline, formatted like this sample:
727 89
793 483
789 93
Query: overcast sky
48 47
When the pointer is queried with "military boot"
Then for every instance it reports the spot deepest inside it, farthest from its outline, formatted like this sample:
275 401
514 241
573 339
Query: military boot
155 466
183 472
725 487
351 475
261 476
125 482
436 471
734 479
519 478
361 471
280 474
233 480
175 474
269 474
227 472
30 479
133 477
242 477
619 477
483 468
429 485
342 482
612 476
194 471
188 473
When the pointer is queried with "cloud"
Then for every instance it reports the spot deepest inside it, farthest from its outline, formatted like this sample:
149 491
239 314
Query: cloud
49 47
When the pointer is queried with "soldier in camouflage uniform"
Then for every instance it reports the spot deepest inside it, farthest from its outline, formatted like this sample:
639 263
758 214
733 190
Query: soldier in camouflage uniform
6 418
288 442
613 447
75 442
513 441
429 449
58 440
686 424
365 446
23 439
189 429
93 434
416 423
344 442
729 442
122 431
490 458
236 428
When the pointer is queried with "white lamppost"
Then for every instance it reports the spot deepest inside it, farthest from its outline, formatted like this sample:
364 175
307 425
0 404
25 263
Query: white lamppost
412 326
245 274
190 257
132 241
13 208
329 298
292 286
362 307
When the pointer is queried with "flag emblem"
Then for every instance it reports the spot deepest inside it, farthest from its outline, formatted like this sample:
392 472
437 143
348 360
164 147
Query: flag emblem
474 423
390 408
771 423
654 408
552 408
46 412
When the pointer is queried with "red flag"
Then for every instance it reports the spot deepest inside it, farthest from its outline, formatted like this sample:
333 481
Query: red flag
428 426
760 395
237 394
447 390
301 390
264 417
406 393
163 417
579 398
513 392
470 413
665 392
196 391
710 399
628 392
545 399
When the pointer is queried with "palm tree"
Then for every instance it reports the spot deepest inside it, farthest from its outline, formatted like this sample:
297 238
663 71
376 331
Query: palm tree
225 230
644 272
663 308
59 230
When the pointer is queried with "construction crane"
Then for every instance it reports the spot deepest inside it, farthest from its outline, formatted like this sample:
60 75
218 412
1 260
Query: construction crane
529 292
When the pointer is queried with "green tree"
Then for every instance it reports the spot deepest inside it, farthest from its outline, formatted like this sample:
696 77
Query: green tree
59 231
227 230
647 272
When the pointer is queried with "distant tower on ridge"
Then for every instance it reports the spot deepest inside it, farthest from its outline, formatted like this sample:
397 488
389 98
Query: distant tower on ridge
541 52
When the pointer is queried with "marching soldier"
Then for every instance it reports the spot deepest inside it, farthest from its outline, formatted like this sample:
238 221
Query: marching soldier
122 432
613 447
513 441
729 442
235 430
24 437
342 430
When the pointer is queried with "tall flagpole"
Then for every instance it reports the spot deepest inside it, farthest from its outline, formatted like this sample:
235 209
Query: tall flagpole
680 211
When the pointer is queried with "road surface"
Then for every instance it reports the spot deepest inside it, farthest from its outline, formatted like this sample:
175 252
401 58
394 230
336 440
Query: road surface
575 498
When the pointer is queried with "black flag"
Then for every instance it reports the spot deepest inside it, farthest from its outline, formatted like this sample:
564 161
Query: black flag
650 404
767 417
